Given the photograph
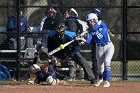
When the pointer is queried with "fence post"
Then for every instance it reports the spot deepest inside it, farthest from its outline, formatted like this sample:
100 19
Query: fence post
18 39
124 40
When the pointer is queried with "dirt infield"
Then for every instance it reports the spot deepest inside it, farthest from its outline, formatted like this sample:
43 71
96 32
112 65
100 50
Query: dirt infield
121 87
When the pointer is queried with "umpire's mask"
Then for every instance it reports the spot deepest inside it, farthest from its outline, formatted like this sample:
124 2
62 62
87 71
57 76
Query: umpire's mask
61 28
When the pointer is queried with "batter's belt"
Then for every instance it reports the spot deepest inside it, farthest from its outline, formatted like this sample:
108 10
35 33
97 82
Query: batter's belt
101 45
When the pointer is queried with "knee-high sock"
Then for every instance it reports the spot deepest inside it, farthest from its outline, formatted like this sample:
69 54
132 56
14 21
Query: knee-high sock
106 74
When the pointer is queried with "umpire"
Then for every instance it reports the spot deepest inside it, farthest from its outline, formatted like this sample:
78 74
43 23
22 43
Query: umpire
63 36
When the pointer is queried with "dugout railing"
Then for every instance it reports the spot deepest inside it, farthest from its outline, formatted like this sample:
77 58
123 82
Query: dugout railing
121 16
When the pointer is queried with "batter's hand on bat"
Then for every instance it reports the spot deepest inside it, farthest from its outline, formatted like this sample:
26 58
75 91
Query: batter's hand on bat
80 39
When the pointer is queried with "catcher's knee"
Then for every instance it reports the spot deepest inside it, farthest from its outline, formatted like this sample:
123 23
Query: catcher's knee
34 68
33 73
51 81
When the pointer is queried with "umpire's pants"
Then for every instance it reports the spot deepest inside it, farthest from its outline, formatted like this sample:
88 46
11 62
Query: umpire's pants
94 61
79 59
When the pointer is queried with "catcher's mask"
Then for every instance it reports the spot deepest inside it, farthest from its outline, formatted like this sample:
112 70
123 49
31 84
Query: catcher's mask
62 27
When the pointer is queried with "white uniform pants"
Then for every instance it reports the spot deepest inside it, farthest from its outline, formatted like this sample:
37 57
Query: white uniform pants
104 55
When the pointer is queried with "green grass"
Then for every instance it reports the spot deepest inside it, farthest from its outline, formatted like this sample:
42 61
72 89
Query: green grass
133 67
11 82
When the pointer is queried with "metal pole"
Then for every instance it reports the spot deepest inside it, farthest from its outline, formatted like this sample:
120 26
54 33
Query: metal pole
124 40
18 39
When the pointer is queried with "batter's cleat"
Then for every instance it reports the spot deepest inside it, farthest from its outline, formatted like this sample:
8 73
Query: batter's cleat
98 83
106 84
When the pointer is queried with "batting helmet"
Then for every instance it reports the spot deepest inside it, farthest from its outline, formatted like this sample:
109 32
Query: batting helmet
92 16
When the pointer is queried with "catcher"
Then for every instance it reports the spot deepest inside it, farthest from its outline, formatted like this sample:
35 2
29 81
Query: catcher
44 70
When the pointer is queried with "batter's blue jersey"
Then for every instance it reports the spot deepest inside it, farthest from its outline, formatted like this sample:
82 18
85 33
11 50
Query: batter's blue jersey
100 34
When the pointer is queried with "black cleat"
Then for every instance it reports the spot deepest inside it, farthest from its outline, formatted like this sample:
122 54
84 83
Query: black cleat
94 81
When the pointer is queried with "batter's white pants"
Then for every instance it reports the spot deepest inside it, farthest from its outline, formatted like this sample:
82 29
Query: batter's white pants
104 56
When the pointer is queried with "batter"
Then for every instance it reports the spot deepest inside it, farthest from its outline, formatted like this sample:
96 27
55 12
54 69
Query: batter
104 47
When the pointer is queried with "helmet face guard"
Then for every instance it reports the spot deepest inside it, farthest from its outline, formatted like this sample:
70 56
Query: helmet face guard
61 28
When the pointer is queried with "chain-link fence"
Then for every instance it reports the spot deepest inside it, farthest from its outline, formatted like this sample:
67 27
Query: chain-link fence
121 17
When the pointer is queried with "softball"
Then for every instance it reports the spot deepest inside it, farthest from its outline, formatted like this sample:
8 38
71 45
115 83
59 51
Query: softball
62 46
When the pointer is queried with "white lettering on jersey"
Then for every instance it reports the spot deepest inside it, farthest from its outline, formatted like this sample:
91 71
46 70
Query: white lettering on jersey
98 34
